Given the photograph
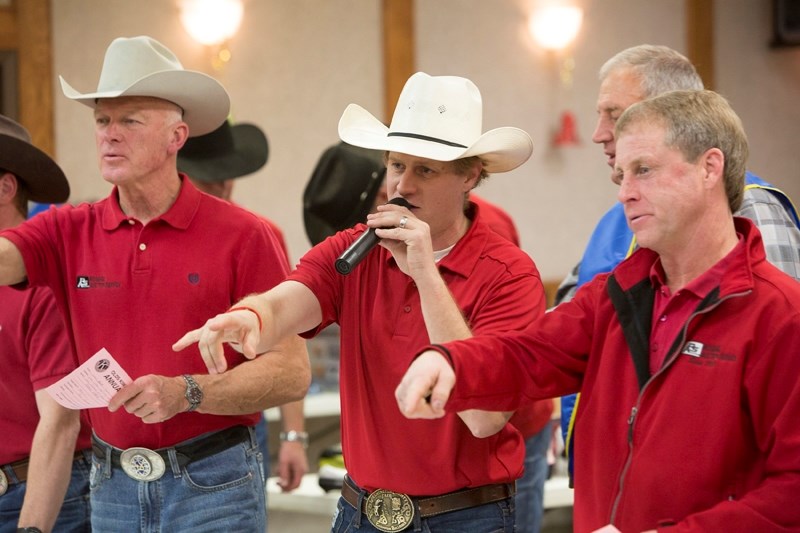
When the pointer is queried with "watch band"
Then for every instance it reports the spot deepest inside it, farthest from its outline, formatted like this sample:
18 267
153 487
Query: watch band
295 436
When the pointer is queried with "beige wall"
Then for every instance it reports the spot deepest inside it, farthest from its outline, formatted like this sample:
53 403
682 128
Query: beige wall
297 64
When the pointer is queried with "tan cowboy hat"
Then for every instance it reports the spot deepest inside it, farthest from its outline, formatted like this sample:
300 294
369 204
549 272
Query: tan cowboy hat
440 118
44 179
228 152
141 66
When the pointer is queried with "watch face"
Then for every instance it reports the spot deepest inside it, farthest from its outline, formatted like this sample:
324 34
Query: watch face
193 393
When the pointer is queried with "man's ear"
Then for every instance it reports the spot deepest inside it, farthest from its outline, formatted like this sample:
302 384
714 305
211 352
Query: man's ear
8 187
180 134
471 177
714 164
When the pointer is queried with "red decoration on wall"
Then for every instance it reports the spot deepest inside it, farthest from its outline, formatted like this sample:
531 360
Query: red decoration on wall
567 135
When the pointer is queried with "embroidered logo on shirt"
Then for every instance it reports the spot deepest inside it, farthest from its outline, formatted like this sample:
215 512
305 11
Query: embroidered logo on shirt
96 282
194 278
707 354
695 349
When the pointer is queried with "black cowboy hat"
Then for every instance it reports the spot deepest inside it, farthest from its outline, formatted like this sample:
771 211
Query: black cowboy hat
341 190
43 178
227 152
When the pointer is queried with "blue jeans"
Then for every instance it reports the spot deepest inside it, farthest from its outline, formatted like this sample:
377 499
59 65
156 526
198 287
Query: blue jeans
496 517
222 492
530 487
75 512
262 436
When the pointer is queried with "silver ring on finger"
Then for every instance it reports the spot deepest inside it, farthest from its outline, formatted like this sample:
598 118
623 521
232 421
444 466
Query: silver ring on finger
403 221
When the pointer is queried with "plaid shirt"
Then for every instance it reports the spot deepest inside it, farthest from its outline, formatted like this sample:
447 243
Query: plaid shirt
778 231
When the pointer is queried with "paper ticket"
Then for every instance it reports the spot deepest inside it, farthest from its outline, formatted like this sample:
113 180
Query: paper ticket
92 384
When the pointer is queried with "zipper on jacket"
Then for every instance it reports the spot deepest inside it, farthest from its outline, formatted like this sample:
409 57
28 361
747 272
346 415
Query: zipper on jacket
635 409
631 419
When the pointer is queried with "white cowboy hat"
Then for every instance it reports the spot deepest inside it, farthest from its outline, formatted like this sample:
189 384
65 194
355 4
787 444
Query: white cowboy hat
141 66
440 118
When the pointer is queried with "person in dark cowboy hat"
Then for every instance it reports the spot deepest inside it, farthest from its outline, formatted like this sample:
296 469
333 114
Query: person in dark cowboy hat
213 161
342 190
131 273
440 273
44 459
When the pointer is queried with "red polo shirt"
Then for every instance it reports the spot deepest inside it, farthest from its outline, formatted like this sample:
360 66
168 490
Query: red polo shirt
377 306
136 289
672 311
34 353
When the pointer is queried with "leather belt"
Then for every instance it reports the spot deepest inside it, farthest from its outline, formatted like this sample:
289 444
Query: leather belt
389 507
20 469
144 464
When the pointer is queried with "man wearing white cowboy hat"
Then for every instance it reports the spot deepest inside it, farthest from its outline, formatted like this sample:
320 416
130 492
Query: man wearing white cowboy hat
440 274
135 270
41 461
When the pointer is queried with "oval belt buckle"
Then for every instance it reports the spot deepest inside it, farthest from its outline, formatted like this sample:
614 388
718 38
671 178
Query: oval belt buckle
3 483
142 464
389 511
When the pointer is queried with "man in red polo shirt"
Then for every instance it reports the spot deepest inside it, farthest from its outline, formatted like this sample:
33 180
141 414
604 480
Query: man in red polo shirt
340 193
440 274
44 470
131 273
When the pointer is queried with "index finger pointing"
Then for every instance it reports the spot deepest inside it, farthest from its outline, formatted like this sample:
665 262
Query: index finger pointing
187 340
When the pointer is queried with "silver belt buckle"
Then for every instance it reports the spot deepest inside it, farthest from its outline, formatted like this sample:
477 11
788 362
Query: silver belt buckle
142 464
3 482
389 511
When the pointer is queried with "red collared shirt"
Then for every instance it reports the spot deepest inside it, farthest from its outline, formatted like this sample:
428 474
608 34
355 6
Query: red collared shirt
671 311
34 353
497 287
135 290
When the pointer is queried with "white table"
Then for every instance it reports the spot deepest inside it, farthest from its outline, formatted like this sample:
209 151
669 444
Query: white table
314 406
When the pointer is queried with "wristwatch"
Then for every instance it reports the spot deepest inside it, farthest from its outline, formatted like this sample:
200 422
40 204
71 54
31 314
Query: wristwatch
295 436
29 529
193 393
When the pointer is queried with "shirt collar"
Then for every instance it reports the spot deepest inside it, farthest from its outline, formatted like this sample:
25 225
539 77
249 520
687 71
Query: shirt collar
464 256
179 215
707 281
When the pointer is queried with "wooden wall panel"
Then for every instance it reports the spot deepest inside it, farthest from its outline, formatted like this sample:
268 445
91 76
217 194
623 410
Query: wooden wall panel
700 38
398 50
25 28
36 72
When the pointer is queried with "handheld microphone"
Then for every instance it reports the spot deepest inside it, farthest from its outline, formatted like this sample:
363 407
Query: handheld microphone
357 251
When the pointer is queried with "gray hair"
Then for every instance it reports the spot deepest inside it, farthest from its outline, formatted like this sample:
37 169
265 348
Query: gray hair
659 68
696 121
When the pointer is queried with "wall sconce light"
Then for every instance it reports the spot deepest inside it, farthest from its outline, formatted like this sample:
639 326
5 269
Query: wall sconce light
213 23
556 27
